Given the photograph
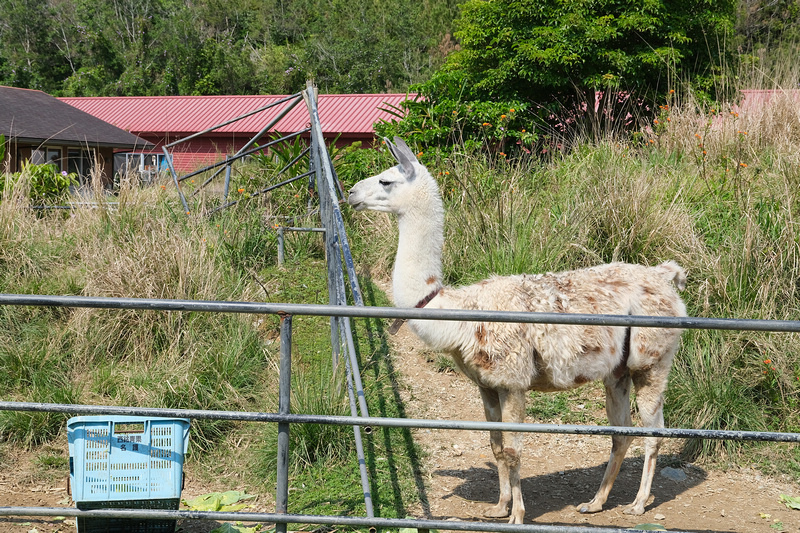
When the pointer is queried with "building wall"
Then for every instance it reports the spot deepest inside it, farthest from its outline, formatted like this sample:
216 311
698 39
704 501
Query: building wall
18 153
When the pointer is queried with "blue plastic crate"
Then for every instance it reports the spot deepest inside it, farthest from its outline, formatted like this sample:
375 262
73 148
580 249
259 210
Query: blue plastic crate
113 458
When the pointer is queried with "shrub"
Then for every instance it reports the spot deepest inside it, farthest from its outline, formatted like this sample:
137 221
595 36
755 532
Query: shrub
45 182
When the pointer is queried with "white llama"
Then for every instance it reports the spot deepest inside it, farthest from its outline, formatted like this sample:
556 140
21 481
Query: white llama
507 360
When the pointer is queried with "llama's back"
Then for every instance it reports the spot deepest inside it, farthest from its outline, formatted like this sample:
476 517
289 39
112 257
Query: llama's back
614 288
550 356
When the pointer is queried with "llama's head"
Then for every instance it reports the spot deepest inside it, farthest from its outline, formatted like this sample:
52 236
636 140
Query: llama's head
404 187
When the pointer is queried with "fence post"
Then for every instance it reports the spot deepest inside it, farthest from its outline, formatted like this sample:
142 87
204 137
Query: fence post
284 392
280 246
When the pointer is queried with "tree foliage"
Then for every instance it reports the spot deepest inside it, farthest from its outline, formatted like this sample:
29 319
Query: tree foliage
532 50
566 65
761 23
167 47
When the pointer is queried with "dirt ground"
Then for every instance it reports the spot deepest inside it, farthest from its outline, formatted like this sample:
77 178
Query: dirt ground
558 472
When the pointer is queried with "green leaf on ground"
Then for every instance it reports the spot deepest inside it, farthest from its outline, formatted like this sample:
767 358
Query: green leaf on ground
235 528
219 501
792 502
413 529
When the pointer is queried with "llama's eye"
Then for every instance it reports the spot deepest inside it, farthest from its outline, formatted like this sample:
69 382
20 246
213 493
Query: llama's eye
385 183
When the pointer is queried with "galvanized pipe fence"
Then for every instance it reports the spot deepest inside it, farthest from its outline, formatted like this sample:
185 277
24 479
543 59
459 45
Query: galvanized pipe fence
284 418
340 310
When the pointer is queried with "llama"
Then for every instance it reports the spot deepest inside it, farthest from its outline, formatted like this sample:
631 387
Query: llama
507 360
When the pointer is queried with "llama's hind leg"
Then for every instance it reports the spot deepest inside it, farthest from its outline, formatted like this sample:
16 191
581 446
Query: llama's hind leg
650 400
618 408
493 412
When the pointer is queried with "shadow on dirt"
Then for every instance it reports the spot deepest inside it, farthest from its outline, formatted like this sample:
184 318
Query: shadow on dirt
554 491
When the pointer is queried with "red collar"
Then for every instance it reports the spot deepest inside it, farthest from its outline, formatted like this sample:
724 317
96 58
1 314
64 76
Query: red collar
398 323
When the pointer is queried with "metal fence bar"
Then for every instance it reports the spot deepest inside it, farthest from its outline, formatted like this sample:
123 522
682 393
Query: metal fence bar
284 393
262 191
239 155
418 423
251 142
320 159
175 180
75 205
214 306
231 121
328 187
350 521
293 99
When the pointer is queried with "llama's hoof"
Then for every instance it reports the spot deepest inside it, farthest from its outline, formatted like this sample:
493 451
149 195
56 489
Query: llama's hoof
496 511
634 509
515 520
590 507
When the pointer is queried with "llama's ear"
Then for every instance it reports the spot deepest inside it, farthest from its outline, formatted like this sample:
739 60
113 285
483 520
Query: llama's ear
404 156
402 148
392 148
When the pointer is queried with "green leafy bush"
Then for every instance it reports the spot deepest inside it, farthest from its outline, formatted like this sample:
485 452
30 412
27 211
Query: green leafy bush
540 71
533 51
442 115
45 182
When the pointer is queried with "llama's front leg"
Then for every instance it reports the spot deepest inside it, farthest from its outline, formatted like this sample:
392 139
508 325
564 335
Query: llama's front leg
650 400
618 408
491 408
512 404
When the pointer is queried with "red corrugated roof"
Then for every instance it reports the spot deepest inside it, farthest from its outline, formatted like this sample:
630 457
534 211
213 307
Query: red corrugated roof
339 113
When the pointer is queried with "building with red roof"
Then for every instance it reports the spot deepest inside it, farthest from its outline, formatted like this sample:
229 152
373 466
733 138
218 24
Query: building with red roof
165 119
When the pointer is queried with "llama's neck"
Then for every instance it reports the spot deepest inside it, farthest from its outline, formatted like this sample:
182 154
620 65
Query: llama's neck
418 264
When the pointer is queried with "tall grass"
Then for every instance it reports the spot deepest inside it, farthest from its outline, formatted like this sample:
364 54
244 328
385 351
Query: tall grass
139 248
143 245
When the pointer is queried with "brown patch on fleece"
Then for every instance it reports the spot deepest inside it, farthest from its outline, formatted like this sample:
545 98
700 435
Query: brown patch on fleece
483 360
622 367
580 380
480 334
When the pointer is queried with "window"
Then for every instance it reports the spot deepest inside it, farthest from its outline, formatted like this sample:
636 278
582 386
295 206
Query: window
47 154
81 163
148 166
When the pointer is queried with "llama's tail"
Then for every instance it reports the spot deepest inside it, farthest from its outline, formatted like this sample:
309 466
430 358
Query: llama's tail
672 271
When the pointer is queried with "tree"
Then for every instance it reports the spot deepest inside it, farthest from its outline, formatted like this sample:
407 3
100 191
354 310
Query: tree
30 55
565 64
766 23
163 47
533 49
